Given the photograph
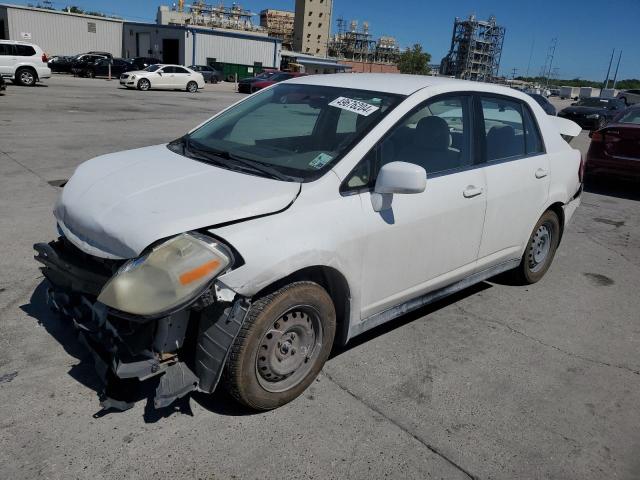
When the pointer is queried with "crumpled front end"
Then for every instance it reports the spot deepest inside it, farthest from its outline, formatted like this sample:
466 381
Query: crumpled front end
185 349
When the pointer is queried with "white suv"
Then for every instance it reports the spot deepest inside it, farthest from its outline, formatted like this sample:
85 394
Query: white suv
24 63
300 217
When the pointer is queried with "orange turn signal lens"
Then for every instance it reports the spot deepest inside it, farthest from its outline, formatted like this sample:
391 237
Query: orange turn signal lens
199 272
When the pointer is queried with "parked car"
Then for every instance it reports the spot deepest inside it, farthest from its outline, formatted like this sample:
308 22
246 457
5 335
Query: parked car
163 77
100 68
276 78
244 85
594 112
629 97
276 229
3 85
210 74
23 63
615 149
544 103
144 62
60 63
80 63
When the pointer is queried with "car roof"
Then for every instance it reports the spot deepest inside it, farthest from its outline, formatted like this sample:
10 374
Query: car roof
402 84
18 42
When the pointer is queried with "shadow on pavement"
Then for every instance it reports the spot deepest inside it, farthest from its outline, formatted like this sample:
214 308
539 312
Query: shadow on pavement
612 187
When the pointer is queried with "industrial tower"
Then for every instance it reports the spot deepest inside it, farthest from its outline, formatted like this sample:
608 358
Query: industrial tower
311 26
475 51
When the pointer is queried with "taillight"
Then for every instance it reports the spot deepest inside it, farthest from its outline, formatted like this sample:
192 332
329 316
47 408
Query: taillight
45 59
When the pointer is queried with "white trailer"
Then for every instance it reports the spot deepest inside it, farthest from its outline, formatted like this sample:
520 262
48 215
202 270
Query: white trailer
569 92
609 93
587 92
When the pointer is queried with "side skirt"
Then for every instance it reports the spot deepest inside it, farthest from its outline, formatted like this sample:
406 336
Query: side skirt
418 302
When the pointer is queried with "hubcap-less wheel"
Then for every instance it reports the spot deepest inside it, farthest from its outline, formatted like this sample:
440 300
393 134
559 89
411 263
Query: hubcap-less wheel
144 84
288 349
27 78
192 87
540 247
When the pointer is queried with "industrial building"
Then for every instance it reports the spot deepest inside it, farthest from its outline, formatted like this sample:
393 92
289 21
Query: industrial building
279 24
61 33
201 14
357 48
476 47
231 51
311 26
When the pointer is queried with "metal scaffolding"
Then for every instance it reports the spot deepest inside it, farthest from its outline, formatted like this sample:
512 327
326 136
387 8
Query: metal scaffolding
352 43
216 16
476 47
279 24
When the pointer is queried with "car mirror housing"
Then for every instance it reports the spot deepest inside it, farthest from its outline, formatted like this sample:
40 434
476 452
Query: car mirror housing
397 177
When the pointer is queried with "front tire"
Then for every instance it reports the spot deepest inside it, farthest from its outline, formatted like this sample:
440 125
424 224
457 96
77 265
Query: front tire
540 250
26 77
192 87
144 84
282 346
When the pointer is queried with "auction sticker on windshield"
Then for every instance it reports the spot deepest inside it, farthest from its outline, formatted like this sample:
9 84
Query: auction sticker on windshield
355 106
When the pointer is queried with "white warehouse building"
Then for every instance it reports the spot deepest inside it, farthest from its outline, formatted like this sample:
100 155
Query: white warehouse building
60 33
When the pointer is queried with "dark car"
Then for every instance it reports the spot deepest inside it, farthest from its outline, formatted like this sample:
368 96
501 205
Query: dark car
544 103
3 85
100 68
244 85
60 63
210 74
615 149
278 77
81 62
594 112
143 62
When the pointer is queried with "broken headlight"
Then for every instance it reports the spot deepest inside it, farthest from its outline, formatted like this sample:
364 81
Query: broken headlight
170 275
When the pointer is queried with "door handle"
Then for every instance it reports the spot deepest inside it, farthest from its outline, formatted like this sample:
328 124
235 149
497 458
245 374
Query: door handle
541 173
472 191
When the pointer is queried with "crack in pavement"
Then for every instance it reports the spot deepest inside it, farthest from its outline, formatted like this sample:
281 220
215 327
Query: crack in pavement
26 168
406 430
607 247
549 345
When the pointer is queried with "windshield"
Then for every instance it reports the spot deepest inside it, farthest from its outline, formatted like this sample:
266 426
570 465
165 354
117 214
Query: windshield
300 131
594 102
152 68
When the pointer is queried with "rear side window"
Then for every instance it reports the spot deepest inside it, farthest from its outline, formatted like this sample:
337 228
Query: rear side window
504 128
6 49
533 141
179 70
25 51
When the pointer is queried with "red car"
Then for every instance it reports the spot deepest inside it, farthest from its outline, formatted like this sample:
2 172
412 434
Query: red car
615 148
278 77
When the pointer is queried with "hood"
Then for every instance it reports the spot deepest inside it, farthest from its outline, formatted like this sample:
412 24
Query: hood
137 72
585 110
116 205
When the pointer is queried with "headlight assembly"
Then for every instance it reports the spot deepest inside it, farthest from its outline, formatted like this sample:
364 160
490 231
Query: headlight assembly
593 115
171 274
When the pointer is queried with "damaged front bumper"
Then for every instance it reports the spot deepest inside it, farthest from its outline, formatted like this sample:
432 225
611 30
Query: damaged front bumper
186 349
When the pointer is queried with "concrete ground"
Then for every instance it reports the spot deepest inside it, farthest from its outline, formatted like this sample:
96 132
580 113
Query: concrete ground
498 382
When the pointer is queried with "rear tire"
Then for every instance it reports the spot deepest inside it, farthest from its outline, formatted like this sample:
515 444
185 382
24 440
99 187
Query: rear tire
26 77
282 346
144 84
192 87
540 250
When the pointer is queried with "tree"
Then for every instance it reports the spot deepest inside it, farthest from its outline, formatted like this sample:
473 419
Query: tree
414 61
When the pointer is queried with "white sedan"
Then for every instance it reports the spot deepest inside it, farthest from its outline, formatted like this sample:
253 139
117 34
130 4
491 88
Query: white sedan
301 217
163 77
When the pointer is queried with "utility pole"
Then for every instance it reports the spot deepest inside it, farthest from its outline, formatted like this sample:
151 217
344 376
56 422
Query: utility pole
606 81
615 76
513 73
533 42
550 56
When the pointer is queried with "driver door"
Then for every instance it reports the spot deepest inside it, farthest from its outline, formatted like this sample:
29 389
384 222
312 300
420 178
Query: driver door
428 240
162 78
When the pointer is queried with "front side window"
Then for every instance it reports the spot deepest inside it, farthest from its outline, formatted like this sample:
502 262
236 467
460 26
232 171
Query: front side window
504 128
299 131
152 68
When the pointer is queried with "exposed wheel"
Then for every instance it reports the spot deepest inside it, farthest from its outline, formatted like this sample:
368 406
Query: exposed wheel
624 99
231 78
192 87
91 73
285 341
144 84
540 250
26 77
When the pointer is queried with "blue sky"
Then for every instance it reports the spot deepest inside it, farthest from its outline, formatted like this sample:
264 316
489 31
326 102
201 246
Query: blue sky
587 30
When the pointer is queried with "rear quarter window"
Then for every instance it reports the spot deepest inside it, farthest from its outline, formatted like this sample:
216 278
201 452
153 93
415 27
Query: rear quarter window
25 51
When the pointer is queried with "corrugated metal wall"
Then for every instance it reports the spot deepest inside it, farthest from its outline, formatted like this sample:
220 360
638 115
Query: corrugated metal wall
156 33
228 49
61 34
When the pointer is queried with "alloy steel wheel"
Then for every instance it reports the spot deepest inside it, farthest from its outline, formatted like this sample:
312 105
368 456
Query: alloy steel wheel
540 246
27 77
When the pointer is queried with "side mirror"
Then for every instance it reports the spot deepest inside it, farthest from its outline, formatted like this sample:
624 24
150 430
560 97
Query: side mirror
160 73
397 177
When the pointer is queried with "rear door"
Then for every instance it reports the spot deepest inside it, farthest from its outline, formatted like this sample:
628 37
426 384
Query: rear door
7 59
181 76
517 173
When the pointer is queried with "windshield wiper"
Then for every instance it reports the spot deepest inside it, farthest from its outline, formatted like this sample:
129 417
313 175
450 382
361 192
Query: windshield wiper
209 153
